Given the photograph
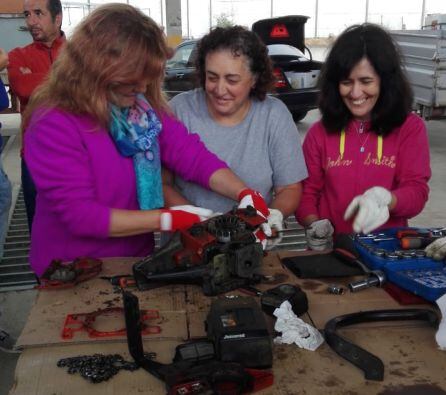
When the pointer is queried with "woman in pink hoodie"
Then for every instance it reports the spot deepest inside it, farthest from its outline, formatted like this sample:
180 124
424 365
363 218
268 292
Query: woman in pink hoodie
368 156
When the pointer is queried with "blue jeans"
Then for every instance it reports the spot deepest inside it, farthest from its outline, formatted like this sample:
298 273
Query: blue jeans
29 194
5 205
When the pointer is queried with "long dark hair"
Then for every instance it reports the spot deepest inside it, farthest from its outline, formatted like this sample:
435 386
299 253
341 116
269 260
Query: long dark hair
240 41
395 98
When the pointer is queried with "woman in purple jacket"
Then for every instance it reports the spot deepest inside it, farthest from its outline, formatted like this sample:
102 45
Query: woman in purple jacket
97 132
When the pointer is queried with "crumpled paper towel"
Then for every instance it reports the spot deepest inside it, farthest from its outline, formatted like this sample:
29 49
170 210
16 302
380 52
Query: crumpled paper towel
440 336
294 330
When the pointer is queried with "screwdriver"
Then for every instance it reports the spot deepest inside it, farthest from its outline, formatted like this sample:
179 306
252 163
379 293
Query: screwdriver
413 233
275 233
413 243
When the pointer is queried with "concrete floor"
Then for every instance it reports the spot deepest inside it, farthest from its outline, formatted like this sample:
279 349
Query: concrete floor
15 306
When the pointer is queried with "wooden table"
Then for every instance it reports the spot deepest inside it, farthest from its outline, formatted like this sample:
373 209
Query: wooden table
413 364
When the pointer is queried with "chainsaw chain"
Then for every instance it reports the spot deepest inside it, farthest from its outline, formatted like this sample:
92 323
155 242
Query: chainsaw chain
98 367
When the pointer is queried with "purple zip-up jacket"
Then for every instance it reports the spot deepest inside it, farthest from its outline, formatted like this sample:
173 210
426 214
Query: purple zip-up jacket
80 176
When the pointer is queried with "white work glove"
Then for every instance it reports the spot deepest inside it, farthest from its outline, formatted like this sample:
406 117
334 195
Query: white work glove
275 222
320 235
294 330
371 208
437 249
182 217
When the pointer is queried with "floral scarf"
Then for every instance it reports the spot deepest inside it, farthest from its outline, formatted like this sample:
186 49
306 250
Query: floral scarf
135 132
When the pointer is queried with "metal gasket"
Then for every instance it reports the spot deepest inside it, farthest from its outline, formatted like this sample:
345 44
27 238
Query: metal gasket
370 364
86 321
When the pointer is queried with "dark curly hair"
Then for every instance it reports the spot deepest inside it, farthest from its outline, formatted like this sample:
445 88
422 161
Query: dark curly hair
395 98
240 41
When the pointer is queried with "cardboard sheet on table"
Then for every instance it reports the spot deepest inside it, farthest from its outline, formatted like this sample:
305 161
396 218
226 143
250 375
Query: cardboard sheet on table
410 355
412 364
37 372
46 319
182 308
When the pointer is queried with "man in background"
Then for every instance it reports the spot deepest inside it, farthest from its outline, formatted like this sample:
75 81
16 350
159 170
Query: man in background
29 65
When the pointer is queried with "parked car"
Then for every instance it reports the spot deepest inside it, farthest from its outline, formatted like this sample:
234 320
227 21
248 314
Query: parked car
180 69
296 74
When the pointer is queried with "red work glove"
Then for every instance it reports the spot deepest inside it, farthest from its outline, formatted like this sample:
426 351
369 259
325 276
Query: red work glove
172 220
249 197
261 237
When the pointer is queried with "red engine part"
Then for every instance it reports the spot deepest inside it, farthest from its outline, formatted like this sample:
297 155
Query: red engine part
252 380
195 241
199 237
252 220
85 322
61 275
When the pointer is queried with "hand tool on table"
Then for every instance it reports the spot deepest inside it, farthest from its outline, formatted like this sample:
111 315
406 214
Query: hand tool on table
335 289
275 232
413 233
375 278
416 242
411 239
120 280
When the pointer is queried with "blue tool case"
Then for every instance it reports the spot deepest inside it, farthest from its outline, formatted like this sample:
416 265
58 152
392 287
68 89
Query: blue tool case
410 269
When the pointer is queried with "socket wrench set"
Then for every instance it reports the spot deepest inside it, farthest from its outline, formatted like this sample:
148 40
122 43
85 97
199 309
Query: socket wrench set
399 252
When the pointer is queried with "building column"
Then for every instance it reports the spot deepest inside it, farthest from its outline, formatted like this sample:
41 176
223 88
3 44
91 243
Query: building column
173 22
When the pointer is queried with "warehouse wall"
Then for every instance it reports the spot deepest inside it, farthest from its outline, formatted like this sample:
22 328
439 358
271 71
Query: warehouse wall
11 6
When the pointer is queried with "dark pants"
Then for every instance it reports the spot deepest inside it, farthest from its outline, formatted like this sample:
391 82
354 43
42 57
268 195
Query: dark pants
29 194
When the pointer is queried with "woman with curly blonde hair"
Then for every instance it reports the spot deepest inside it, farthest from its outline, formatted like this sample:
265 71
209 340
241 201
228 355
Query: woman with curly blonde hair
97 133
